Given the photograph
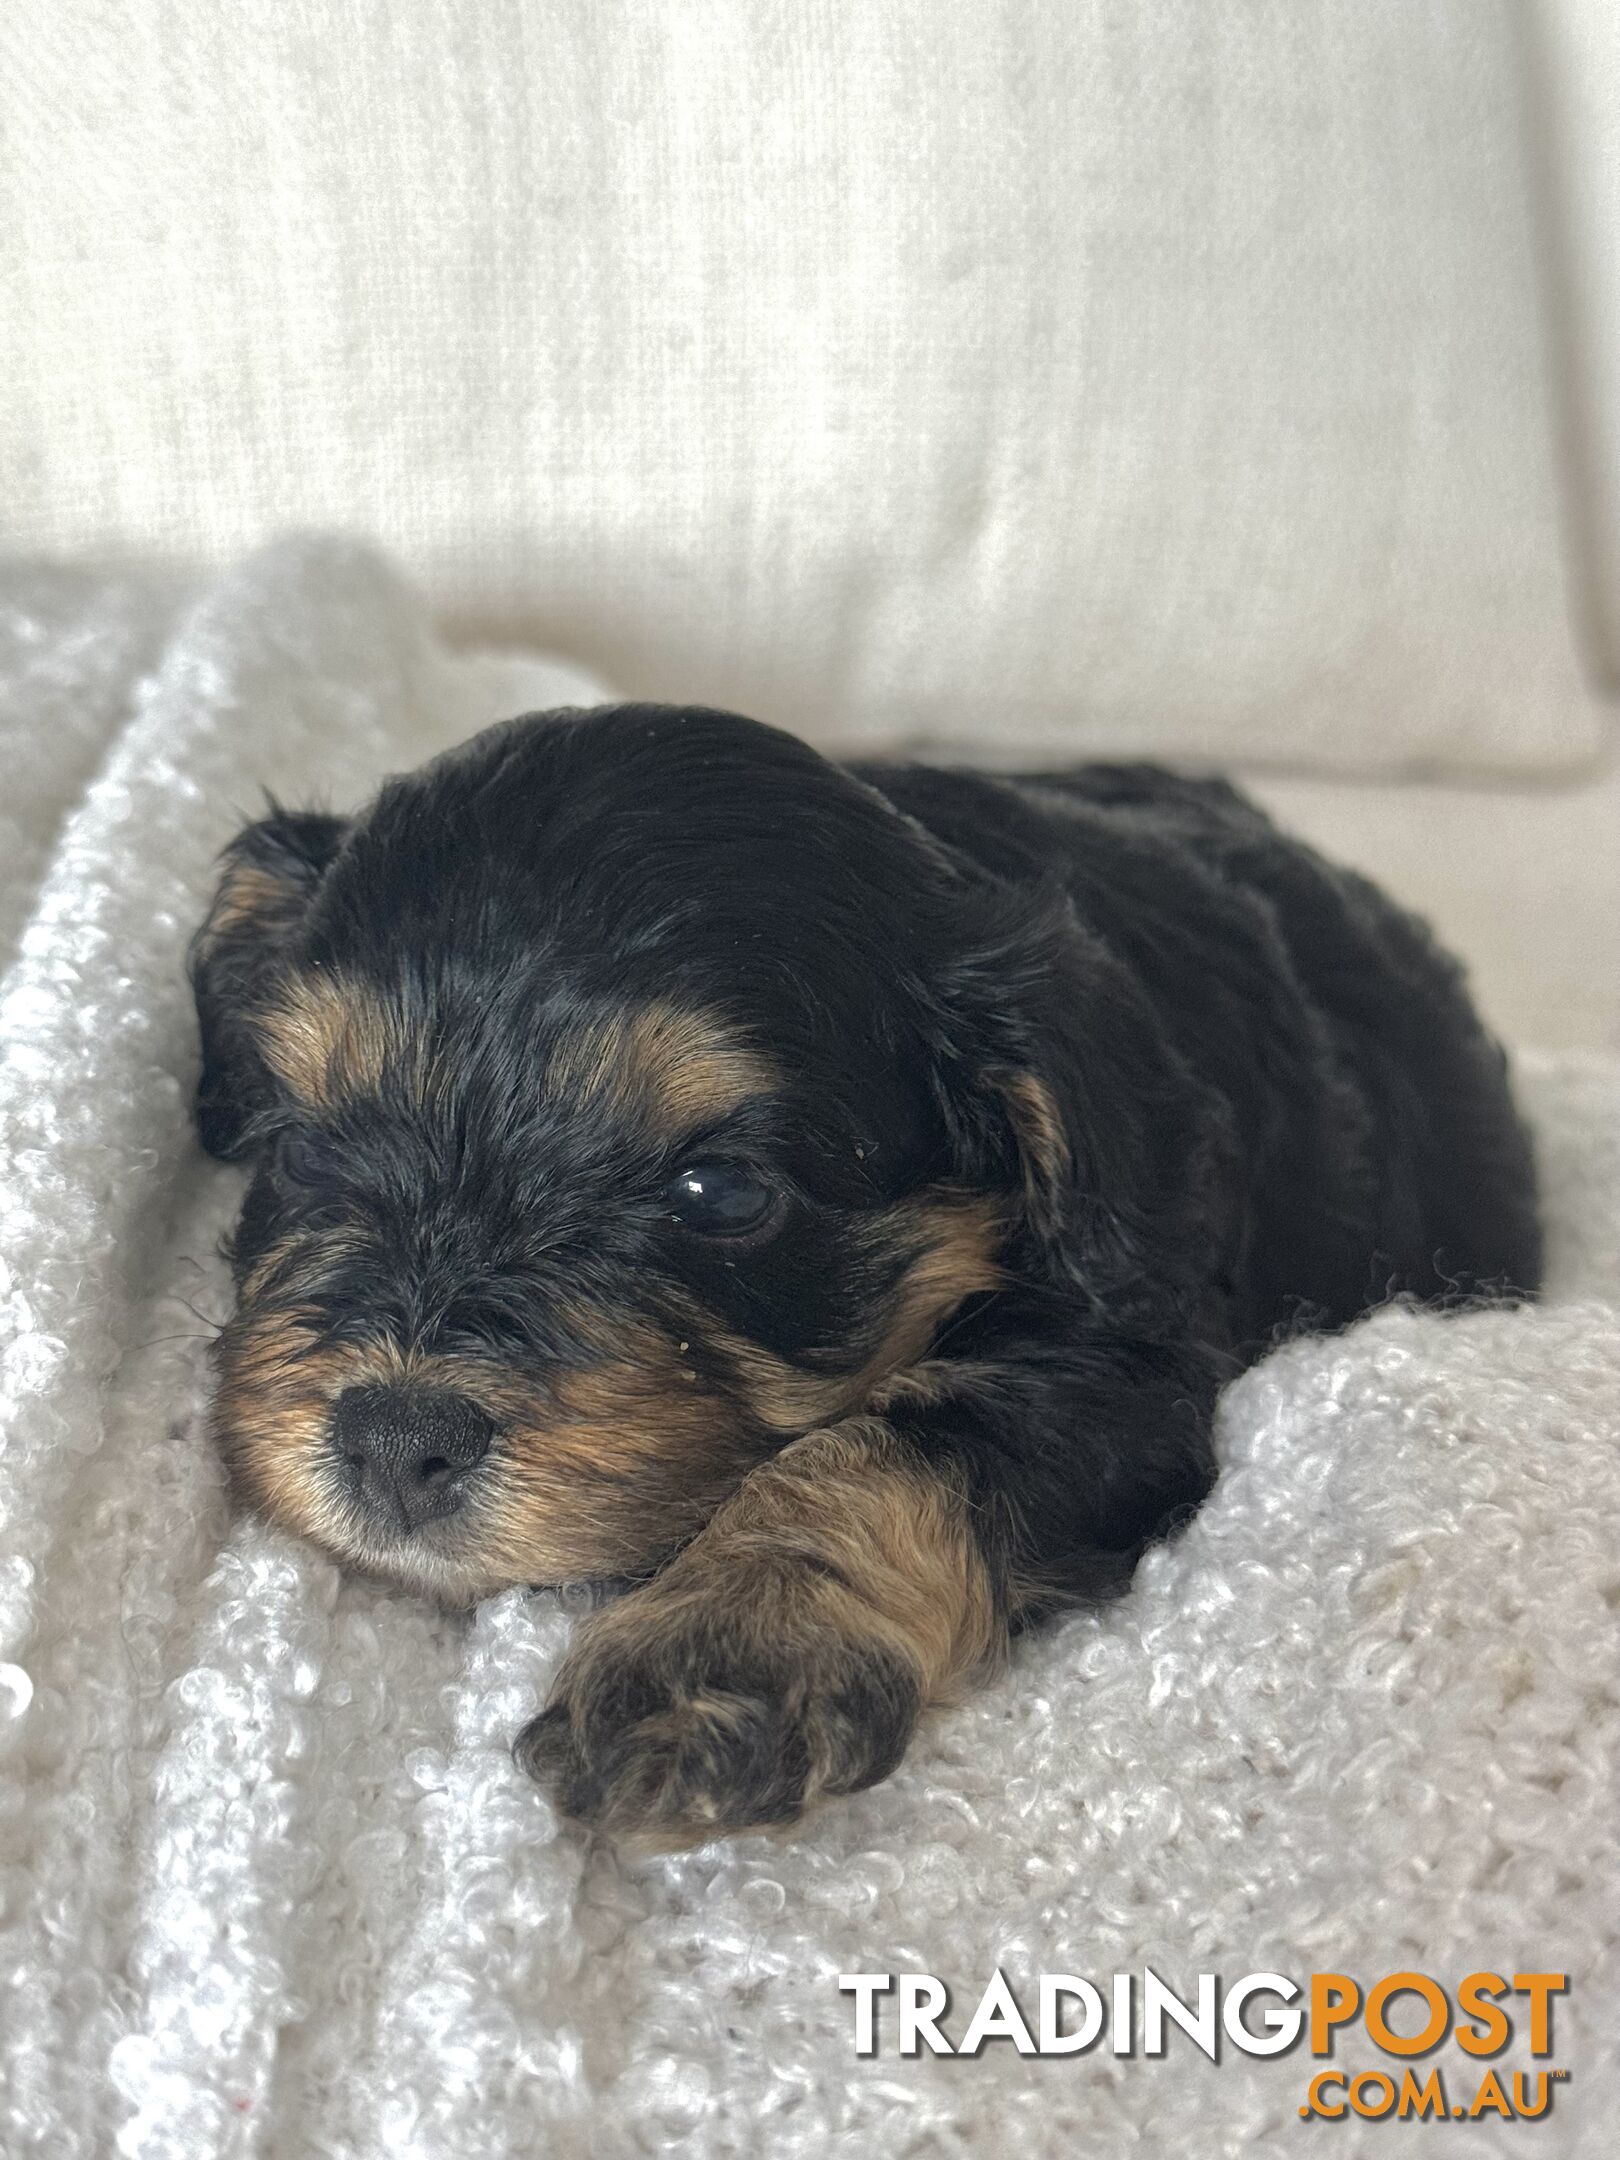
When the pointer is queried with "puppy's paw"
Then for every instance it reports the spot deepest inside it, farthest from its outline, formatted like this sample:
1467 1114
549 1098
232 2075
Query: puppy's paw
675 1721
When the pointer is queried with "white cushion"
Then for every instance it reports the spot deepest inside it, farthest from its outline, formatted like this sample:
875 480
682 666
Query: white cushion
1017 378
1574 49
1521 883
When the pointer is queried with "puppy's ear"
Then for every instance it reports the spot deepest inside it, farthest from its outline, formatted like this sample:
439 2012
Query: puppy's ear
1056 1080
268 876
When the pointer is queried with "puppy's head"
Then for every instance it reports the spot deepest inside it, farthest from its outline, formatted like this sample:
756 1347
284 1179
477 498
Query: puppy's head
613 1117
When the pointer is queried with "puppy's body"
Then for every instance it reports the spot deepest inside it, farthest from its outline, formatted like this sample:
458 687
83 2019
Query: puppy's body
1372 1146
829 1199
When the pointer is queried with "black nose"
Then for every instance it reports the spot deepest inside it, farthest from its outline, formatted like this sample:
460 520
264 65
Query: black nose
408 1451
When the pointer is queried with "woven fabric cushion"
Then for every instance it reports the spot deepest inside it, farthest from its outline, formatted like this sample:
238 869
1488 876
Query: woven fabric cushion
1013 378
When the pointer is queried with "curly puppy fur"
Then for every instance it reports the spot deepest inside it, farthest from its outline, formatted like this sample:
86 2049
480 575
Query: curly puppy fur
823 1201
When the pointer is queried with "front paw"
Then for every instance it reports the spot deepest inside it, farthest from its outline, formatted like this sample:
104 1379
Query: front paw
675 1721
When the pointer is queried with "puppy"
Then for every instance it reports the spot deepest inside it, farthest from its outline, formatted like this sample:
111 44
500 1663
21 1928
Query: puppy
825 1200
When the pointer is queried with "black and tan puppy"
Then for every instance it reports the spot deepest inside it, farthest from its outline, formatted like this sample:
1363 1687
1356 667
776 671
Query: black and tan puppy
825 1200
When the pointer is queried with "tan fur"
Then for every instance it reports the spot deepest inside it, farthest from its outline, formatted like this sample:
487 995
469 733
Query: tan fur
783 1655
893 1532
601 1473
249 897
1042 1139
332 1041
616 1465
271 1413
661 1068
954 1240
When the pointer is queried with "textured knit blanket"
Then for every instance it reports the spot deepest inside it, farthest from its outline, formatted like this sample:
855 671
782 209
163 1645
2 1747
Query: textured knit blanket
270 1883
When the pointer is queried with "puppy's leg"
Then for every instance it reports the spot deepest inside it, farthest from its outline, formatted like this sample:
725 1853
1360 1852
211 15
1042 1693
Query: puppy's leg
871 1569
783 1655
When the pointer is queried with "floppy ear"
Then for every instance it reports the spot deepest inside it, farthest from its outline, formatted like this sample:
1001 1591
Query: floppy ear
1057 1079
269 874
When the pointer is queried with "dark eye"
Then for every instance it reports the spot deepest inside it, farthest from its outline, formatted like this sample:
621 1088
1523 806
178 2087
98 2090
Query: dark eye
719 1199
305 1158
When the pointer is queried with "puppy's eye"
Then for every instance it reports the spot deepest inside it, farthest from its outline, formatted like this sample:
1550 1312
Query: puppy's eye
305 1158
720 1199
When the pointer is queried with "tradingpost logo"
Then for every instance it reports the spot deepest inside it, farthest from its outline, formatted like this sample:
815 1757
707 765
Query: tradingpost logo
1404 2017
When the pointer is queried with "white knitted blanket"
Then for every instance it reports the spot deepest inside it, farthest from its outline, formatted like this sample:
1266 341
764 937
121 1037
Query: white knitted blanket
269 1881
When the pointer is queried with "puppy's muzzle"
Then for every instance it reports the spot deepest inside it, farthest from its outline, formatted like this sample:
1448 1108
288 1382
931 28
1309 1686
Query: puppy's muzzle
407 1454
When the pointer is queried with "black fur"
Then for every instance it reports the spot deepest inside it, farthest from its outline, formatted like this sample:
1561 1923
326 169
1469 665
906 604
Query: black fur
1287 1112
1274 1102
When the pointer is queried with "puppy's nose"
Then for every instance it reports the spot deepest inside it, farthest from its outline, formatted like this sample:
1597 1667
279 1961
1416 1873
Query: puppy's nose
409 1450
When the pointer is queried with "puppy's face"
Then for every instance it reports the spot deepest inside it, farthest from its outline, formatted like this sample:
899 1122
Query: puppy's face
590 1084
